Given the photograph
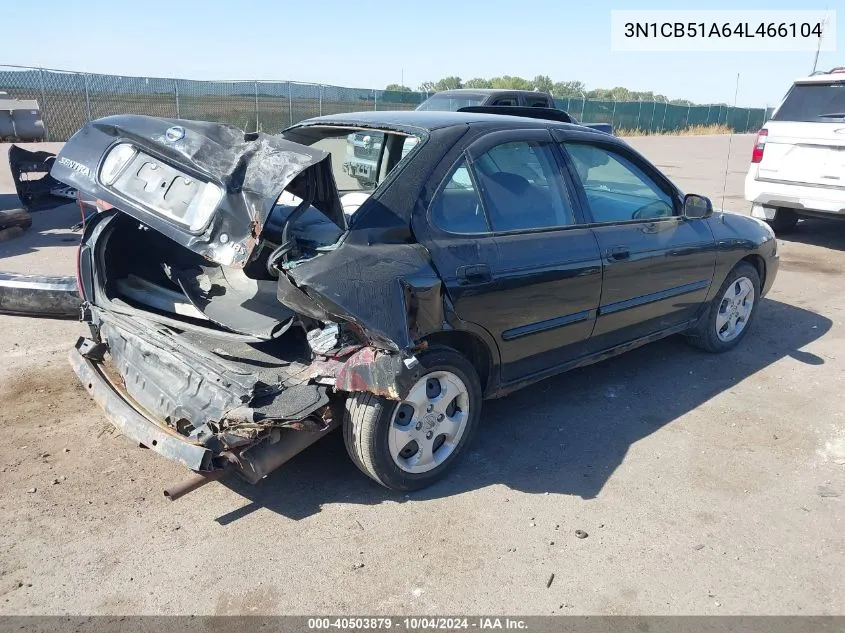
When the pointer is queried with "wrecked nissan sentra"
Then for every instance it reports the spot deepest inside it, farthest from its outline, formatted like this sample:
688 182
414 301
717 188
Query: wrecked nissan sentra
245 296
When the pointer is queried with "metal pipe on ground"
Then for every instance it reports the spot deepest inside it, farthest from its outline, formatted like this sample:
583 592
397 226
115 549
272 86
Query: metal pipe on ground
196 480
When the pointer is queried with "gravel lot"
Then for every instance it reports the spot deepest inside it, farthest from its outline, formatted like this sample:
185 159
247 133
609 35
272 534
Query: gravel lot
706 484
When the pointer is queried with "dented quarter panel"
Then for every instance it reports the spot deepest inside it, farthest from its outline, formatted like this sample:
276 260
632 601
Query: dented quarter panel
389 290
252 169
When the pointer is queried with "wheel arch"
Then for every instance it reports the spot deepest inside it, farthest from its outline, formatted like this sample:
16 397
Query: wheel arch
471 346
759 264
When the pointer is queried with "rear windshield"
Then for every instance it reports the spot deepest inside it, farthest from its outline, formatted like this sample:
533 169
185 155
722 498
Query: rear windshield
450 103
813 102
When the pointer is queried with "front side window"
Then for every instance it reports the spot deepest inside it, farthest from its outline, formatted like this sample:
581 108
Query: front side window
617 190
523 187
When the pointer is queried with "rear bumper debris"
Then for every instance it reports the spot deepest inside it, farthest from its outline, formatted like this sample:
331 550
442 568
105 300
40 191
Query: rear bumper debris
39 296
35 187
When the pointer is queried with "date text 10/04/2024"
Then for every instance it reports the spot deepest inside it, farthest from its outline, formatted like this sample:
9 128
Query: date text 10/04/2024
417 623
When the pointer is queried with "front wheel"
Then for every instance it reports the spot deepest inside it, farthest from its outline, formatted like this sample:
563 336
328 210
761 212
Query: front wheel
410 444
728 316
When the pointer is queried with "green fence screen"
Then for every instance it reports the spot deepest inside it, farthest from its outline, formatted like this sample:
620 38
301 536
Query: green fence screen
69 99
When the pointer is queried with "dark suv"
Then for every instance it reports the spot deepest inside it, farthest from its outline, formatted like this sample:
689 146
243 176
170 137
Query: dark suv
238 312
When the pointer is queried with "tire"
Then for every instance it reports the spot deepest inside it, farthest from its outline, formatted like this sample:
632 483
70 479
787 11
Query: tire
369 431
705 334
784 220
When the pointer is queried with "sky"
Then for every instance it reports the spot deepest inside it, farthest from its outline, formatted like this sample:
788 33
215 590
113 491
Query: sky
371 43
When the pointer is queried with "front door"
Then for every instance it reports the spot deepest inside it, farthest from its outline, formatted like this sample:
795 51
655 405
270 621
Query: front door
657 265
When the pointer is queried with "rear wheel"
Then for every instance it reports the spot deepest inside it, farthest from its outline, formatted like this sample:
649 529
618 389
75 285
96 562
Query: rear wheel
784 220
410 444
729 314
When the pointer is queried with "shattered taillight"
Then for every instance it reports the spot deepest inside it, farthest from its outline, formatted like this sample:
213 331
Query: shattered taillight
79 272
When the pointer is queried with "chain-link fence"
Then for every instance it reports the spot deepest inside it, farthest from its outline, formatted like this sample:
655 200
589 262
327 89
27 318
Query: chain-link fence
69 99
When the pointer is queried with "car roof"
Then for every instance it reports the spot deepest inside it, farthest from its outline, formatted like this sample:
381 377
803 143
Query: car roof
434 119
488 91
834 75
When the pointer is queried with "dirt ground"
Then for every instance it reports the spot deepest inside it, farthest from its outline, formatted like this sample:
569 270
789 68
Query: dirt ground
706 484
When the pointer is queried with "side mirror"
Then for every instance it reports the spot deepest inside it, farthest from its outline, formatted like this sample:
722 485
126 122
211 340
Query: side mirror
697 207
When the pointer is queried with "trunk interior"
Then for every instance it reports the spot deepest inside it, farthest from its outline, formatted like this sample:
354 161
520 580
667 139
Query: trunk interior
139 269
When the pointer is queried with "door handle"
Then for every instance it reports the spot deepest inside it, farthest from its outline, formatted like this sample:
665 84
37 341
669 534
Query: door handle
618 253
476 273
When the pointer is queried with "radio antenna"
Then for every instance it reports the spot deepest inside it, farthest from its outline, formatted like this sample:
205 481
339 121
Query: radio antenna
730 143
819 46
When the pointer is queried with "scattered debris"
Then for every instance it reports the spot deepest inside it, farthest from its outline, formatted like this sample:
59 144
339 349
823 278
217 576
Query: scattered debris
826 491
698 547
532 524
32 490
14 222
358 566
550 580
581 534
44 455
56 481
551 542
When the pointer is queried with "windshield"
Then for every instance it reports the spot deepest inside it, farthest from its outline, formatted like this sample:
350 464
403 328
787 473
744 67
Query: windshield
450 103
361 158
813 102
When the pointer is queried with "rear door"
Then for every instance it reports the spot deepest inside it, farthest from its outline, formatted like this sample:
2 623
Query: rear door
657 266
513 251
806 136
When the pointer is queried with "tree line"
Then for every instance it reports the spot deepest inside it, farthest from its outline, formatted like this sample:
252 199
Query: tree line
543 83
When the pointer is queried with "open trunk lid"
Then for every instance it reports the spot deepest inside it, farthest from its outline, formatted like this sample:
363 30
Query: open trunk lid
207 186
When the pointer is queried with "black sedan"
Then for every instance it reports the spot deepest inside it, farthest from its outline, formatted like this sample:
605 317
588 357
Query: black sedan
245 295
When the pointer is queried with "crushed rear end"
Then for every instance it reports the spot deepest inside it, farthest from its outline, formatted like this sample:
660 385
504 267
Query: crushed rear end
217 335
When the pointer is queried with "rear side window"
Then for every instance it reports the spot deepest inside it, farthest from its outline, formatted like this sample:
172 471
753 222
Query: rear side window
457 206
506 101
813 102
537 102
523 187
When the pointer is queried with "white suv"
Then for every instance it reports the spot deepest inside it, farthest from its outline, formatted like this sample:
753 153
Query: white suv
798 164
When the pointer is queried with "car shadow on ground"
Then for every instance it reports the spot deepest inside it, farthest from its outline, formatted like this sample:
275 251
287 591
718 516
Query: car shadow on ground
9 201
818 232
50 228
565 435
